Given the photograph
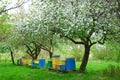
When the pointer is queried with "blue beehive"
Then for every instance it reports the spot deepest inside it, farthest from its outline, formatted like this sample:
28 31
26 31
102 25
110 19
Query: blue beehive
21 63
41 62
63 67
33 64
70 64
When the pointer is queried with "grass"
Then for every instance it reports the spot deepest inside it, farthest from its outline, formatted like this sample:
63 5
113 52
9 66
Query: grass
93 72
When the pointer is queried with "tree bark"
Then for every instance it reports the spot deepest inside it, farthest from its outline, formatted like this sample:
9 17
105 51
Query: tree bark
12 57
50 54
85 59
35 56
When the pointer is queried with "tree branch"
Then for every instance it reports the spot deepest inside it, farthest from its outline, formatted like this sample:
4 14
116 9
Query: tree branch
13 7
90 33
76 42
100 41
28 48
46 49
92 43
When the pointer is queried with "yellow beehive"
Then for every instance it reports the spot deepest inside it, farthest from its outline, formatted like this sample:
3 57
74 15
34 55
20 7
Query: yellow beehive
55 61
25 61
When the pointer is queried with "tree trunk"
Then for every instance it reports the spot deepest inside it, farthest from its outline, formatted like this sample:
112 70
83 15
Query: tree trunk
85 59
33 52
50 54
34 56
12 57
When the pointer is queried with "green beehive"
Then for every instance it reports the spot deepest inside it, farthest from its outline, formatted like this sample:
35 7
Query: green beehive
49 64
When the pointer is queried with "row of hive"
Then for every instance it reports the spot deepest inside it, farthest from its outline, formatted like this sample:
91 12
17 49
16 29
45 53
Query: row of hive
54 63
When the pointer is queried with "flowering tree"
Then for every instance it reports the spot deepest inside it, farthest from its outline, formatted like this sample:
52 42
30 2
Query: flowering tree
5 25
33 32
84 22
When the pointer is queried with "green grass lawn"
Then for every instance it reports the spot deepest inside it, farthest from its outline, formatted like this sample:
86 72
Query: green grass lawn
93 72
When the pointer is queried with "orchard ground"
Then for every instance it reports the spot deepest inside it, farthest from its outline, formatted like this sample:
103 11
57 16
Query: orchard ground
95 71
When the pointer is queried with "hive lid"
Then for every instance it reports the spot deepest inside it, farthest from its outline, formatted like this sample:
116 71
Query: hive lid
56 56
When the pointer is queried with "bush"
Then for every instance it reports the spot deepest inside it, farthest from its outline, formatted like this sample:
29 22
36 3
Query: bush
107 52
103 54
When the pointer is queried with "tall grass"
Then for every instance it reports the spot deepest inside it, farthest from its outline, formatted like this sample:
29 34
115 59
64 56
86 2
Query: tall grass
112 71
